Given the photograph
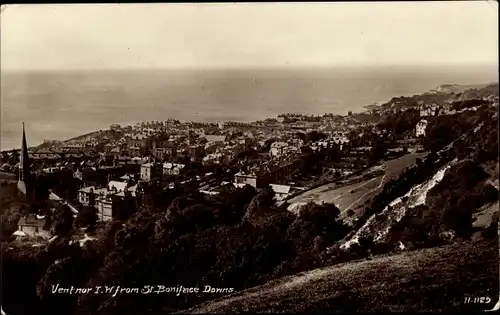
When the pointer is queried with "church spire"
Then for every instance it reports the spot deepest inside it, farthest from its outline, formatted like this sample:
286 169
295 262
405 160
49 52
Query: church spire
24 167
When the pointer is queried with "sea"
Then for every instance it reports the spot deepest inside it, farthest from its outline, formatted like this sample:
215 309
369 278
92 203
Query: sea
58 105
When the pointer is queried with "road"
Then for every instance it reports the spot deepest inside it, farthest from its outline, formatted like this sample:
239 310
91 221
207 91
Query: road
366 194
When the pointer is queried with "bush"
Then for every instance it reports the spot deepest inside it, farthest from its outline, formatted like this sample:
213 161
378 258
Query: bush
491 232
87 216
366 244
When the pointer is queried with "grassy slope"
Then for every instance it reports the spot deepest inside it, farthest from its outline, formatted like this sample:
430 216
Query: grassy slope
355 195
436 279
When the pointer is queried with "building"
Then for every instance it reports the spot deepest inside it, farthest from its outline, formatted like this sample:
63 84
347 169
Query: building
280 191
104 205
34 226
340 139
150 171
429 110
241 179
163 149
277 149
280 172
168 150
134 151
215 158
420 128
114 127
117 185
196 152
214 138
87 195
138 141
25 184
103 198
270 173
172 168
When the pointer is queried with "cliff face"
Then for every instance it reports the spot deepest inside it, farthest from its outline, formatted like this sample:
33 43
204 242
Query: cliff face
445 94
447 194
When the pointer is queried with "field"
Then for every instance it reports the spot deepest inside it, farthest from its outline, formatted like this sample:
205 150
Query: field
355 195
435 279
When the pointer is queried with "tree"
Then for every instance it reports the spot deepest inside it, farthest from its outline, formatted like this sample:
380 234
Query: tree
62 220
92 198
260 204
378 151
88 216
367 244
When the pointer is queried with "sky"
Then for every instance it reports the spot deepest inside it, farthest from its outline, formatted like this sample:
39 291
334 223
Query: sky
210 35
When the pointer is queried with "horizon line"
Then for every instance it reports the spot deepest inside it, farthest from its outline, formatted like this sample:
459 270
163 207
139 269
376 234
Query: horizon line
246 67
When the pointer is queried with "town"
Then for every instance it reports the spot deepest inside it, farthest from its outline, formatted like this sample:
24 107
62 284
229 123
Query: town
291 154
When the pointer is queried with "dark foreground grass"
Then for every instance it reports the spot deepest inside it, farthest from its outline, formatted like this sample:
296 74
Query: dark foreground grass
436 279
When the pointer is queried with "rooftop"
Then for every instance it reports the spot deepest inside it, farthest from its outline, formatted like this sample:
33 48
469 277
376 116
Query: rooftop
33 220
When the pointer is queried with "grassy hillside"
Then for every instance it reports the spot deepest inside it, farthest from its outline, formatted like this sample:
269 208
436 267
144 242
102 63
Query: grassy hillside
435 279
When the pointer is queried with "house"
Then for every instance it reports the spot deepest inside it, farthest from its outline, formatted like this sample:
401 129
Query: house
196 152
277 148
116 185
172 168
131 189
78 174
104 205
214 138
122 160
429 110
163 149
280 171
420 128
103 200
213 158
138 141
115 127
280 191
241 179
340 139
138 161
150 171
115 151
212 190
34 226
134 151
84 195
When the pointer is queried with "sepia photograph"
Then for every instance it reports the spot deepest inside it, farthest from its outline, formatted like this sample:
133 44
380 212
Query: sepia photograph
278 157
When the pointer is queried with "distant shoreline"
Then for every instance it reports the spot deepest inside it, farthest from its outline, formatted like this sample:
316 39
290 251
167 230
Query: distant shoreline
227 86
417 69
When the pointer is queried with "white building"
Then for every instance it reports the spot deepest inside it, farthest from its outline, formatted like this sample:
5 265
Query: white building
280 191
84 195
103 201
277 149
429 110
104 205
150 171
420 129
241 179
119 186
340 139
172 168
